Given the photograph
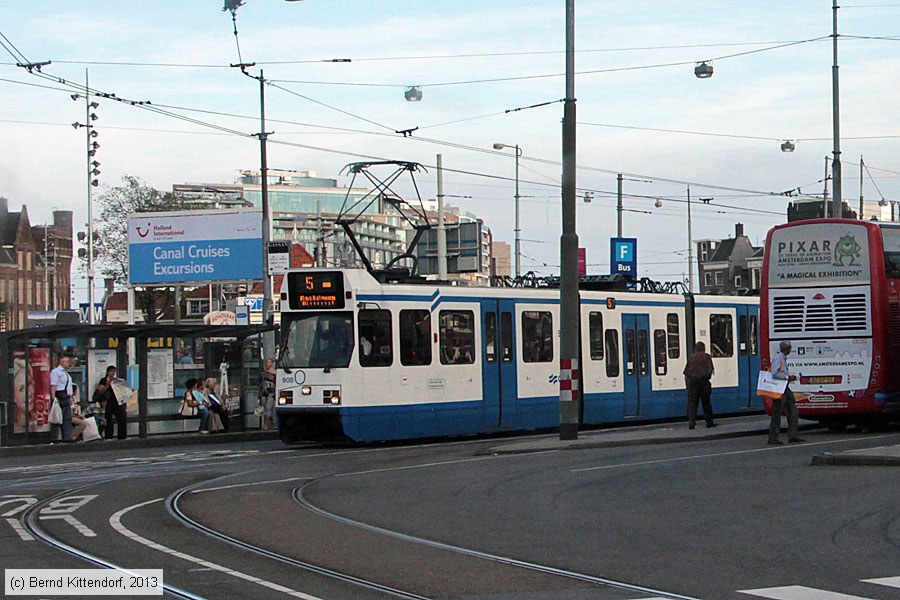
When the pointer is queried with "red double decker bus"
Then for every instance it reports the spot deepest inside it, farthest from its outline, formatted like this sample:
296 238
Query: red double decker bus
831 287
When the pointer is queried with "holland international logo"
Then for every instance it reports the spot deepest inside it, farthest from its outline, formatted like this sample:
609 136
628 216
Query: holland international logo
847 250
143 233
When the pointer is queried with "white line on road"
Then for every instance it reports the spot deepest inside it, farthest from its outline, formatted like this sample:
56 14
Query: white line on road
798 592
20 531
116 522
237 485
717 454
888 581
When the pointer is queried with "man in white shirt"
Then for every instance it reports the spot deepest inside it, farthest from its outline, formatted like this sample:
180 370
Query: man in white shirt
786 404
61 386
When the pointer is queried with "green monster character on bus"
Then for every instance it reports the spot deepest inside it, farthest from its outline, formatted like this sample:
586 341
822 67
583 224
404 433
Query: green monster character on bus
846 248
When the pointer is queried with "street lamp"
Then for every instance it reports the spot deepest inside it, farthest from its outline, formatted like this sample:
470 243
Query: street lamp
517 230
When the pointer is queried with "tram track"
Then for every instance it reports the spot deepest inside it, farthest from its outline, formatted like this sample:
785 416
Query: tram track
173 508
29 521
297 494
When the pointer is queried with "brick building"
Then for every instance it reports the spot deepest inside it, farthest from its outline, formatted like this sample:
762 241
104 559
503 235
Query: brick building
35 265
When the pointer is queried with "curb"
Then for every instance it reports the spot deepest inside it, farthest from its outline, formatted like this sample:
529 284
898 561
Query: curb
160 441
850 460
593 444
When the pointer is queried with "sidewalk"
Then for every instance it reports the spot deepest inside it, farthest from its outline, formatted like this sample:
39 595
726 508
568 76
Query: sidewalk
668 433
154 441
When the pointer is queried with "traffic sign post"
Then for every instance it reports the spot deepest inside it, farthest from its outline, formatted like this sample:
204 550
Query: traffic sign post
279 257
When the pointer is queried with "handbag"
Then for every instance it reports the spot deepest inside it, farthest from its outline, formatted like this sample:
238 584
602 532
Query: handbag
55 417
187 410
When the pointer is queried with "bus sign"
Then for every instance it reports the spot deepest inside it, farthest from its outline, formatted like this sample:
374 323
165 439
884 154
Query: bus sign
315 290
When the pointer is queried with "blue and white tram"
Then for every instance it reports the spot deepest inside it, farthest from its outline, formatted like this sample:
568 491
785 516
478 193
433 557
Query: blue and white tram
367 361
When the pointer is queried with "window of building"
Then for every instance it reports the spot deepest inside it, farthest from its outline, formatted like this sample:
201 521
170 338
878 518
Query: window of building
197 307
660 350
375 338
721 336
718 277
28 261
612 353
673 331
537 336
595 335
737 281
415 337
708 279
457 337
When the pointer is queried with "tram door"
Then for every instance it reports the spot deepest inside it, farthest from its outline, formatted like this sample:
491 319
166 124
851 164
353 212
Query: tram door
748 354
498 363
637 370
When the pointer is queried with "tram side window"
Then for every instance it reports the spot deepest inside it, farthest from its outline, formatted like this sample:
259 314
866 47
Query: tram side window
660 350
415 337
375 345
595 335
673 330
457 337
630 352
754 336
721 336
612 353
742 334
537 336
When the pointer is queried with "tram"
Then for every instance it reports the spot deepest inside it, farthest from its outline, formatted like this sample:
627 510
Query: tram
831 287
367 361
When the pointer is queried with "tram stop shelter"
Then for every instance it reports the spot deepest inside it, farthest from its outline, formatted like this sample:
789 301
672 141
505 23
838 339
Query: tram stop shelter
156 374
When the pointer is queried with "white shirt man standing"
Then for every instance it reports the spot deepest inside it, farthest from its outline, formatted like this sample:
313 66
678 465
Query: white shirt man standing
61 385
786 404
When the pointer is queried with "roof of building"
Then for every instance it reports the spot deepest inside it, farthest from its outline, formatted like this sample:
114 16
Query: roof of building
723 251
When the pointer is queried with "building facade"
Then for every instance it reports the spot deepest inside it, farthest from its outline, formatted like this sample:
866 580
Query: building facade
731 266
35 265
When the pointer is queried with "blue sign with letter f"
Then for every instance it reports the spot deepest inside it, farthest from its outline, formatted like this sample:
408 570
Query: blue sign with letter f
623 257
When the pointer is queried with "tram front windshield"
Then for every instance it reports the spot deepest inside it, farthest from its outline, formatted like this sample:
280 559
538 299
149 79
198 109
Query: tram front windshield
323 340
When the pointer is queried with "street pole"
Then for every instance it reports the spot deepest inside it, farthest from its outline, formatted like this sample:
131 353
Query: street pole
690 245
837 209
861 205
90 245
619 204
441 227
569 393
518 227
266 222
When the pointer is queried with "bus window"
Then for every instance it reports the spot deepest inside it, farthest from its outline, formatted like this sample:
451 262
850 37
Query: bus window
595 335
612 353
721 336
537 336
457 337
375 347
660 350
754 336
317 340
629 352
415 338
490 337
643 352
742 334
672 331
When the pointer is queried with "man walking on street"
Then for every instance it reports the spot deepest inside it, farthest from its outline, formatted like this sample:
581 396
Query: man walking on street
786 404
61 385
697 375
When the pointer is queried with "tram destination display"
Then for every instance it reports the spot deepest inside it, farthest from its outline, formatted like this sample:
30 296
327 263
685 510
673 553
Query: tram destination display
316 290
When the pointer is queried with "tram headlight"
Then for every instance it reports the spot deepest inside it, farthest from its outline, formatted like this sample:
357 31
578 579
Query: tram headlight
332 397
306 390
286 397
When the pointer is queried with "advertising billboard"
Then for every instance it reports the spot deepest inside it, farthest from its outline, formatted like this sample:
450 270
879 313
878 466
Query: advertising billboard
194 246
819 254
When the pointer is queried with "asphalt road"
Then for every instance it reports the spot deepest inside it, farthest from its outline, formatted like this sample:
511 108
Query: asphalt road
718 518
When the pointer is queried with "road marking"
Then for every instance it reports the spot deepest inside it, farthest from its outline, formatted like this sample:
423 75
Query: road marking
888 581
798 592
17 527
12 499
78 525
237 485
116 522
718 454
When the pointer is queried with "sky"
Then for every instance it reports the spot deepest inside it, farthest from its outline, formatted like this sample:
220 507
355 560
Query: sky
480 66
